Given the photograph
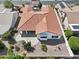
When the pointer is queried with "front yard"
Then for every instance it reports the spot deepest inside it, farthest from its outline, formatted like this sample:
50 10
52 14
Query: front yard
31 46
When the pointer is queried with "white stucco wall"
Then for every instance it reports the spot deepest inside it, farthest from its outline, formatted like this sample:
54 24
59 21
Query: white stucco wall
7 20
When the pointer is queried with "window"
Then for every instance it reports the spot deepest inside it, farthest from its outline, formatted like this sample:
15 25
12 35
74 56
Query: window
54 36
75 26
43 36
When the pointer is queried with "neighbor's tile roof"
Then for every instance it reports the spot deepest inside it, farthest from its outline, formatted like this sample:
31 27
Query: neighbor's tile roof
71 9
73 17
41 21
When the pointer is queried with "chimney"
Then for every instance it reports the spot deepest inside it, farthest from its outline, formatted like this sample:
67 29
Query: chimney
36 5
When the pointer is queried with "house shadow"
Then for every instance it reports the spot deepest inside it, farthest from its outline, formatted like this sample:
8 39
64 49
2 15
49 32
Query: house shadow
53 41
17 22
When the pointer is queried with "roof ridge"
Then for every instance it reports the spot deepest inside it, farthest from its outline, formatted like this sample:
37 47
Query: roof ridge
26 21
30 18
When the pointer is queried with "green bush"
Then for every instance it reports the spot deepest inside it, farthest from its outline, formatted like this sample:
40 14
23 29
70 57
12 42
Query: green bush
10 54
18 57
50 58
74 44
6 35
13 30
11 46
28 46
2 46
1 58
8 4
68 33
44 47
9 34
26 57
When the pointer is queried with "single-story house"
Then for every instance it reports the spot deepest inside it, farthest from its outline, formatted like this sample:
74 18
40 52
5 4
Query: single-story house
44 23
7 20
71 17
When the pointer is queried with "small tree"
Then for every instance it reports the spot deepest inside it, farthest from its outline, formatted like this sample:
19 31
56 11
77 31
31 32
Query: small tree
2 46
8 4
74 44
28 46
6 35
43 47
68 33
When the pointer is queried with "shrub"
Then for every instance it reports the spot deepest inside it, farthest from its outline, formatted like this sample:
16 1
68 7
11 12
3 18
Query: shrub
18 57
14 30
50 58
2 46
74 44
26 57
44 47
10 54
6 35
28 46
68 33
8 4
1 58
9 34
11 46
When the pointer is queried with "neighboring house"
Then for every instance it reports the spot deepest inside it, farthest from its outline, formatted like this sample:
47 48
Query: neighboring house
43 24
7 20
48 2
71 18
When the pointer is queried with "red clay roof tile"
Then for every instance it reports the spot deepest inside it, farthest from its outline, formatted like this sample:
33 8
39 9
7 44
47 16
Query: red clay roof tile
41 21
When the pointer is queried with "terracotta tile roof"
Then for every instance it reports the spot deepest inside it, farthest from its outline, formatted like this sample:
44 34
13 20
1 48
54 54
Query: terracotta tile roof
72 14
71 9
41 21
73 17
